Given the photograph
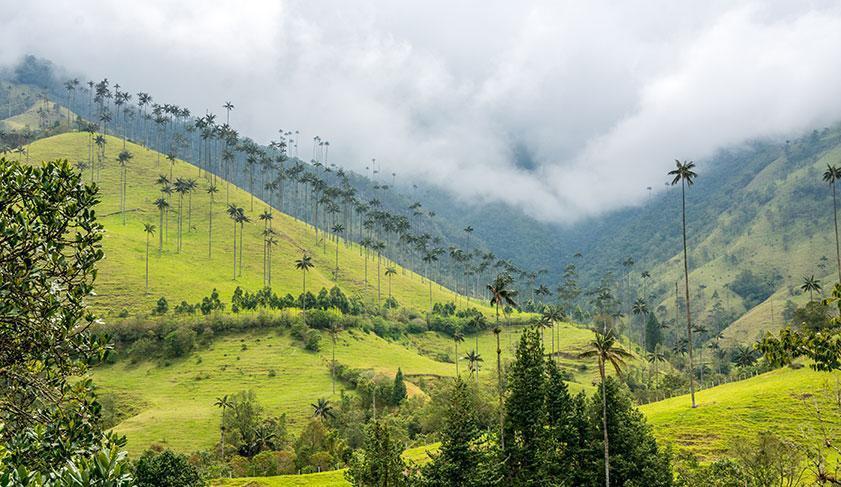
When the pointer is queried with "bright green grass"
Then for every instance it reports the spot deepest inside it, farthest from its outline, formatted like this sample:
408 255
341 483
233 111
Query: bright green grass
780 401
175 402
329 479
191 274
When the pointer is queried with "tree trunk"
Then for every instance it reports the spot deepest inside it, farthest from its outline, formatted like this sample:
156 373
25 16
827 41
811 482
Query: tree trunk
604 427
835 218
688 310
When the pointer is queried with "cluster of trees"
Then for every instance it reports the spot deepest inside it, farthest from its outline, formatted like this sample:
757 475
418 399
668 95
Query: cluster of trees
545 434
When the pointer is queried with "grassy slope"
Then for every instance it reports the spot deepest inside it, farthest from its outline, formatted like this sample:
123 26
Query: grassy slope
764 243
175 402
770 402
191 274
29 119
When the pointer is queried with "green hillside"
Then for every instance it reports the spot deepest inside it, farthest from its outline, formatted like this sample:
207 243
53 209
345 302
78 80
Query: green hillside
172 404
43 114
192 274
780 401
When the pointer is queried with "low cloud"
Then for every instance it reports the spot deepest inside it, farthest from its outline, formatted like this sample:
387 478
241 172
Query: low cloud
564 109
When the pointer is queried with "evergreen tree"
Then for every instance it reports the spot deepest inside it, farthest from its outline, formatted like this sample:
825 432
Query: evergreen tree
463 458
525 412
398 392
635 457
378 462
653 333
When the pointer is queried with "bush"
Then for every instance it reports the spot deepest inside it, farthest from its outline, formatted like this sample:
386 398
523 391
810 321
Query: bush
161 307
179 343
165 469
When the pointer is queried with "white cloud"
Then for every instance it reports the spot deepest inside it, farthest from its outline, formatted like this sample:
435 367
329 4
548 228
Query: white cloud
599 97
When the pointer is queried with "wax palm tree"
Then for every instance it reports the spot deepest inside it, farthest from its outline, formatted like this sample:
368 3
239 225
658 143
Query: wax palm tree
162 205
242 220
684 174
211 192
473 360
458 337
812 285
123 158
554 315
149 230
234 215
378 247
640 308
831 175
228 106
606 349
389 272
337 230
222 403
335 329
181 190
304 264
502 295
655 356
497 331
322 409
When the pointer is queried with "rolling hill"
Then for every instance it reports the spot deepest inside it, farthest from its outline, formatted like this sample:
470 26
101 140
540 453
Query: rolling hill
192 273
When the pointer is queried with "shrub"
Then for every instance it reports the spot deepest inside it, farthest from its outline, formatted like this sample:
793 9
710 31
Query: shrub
166 468
161 307
179 342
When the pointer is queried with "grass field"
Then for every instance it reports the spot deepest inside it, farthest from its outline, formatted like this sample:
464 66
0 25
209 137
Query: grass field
192 274
780 401
174 403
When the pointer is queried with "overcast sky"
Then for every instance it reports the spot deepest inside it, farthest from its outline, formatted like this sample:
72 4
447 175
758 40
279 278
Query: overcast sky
565 109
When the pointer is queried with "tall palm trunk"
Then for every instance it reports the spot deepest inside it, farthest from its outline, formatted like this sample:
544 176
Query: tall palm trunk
688 310
499 382
604 426
147 262
235 249
210 230
241 231
835 218
161 233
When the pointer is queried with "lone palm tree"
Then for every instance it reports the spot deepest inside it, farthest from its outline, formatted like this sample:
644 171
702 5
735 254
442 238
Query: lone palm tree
335 329
337 229
149 229
640 308
497 331
304 264
812 285
322 410
458 337
502 295
684 174
473 360
234 214
162 205
606 349
389 272
831 175
123 159
211 191
222 403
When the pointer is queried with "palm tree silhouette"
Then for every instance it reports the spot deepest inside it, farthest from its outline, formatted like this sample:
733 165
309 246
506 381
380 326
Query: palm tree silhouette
640 308
233 214
337 230
123 159
162 205
553 314
389 272
304 264
211 191
473 360
606 349
222 403
684 174
812 285
335 329
831 175
322 410
149 229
